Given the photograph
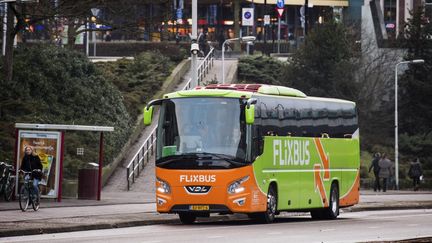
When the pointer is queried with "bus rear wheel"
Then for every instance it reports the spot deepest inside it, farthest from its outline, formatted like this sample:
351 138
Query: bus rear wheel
187 218
333 210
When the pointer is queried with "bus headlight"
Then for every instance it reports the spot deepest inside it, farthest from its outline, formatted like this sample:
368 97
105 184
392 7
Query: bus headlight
162 186
236 186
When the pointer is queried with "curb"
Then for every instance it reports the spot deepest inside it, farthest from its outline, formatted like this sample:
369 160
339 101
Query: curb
135 223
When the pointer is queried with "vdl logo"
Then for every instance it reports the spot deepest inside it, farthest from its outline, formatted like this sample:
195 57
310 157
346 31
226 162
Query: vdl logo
198 189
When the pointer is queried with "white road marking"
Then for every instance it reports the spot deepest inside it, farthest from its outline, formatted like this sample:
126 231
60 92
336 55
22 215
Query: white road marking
412 225
326 230
274 233
214 236
373 227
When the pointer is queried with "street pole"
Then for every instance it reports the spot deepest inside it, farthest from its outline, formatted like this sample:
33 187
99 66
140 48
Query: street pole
396 118
94 42
279 30
223 62
87 38
194 37
244 38
4 28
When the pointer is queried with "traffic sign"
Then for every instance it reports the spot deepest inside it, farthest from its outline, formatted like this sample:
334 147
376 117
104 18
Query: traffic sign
280 3
266 19
248 17
280 11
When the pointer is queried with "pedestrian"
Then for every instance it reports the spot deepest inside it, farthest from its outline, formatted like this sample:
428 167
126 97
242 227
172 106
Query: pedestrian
385 170
202 42
177 37
30 162
415 172
374 165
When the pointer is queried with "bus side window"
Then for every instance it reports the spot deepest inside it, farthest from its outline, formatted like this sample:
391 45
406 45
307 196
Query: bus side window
258 142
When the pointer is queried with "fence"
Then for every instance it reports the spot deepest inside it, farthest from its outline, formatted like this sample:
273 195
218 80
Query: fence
144 153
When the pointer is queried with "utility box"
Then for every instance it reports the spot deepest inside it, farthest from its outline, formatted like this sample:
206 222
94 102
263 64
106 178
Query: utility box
88 183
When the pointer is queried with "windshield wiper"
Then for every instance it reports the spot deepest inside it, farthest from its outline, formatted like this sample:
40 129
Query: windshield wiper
175 158
231 159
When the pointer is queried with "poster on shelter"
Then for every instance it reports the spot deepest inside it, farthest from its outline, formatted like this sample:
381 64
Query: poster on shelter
45 145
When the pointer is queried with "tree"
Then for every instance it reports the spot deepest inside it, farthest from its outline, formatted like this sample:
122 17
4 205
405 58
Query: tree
74 14
324 64
416 83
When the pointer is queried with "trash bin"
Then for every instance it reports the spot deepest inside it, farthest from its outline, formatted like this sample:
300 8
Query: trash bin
88 183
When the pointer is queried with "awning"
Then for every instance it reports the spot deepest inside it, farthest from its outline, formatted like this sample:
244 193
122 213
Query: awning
328 3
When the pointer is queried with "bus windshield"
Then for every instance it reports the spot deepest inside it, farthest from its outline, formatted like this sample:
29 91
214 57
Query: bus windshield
201 132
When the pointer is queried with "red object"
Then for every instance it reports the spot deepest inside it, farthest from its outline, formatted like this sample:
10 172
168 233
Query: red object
59 197
100 167
238 87
87 184
280 11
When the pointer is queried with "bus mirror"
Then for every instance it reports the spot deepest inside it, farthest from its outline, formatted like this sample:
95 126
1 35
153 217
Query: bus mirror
148 115
250 114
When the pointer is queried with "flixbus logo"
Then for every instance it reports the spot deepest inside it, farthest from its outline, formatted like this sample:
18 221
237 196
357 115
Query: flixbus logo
197 178
291 152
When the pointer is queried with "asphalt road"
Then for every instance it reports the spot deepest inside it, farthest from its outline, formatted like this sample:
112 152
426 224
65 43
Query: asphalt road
363 226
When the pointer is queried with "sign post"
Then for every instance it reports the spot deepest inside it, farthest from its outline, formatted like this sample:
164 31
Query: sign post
280 4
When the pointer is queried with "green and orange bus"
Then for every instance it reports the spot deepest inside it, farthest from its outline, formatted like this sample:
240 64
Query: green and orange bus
254 149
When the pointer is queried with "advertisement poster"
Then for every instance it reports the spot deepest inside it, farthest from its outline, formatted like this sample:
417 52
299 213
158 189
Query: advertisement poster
45 145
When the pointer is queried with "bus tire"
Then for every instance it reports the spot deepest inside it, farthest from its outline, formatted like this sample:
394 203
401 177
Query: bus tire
333 210
187 218
269 215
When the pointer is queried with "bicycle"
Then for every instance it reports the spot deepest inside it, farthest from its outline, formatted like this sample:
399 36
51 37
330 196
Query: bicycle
7 181
27 194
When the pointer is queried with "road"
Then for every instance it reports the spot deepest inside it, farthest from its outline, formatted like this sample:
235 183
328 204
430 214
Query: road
363 226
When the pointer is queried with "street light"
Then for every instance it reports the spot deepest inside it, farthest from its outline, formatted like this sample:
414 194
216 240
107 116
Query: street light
416 61
242 39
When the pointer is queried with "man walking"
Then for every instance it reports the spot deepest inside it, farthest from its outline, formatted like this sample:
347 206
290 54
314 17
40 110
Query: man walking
415 171
376 169
385 166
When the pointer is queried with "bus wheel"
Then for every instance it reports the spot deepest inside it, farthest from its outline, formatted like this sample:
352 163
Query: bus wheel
333 210
269 215
187 218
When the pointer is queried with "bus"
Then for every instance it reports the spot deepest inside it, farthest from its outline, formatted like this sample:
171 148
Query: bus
254 149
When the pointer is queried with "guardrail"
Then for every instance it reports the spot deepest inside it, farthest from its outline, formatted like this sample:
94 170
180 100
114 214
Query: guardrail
142 157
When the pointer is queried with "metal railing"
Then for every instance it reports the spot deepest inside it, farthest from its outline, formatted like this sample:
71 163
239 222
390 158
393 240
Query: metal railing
142 157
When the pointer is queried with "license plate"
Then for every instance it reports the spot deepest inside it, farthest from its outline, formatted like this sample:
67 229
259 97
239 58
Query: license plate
199 207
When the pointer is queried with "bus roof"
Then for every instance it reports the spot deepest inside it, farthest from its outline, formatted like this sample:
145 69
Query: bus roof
246 91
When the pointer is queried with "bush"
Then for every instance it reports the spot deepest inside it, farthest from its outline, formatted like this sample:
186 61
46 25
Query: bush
138 79
260 69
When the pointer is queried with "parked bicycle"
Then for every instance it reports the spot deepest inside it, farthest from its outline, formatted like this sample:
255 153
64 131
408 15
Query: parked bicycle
27 194
7 180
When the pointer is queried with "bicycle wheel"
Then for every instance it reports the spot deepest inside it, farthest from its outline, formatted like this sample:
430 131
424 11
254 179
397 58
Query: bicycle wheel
24 198
9 189
35 201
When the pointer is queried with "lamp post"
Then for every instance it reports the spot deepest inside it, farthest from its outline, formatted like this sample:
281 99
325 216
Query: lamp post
416 61
242 39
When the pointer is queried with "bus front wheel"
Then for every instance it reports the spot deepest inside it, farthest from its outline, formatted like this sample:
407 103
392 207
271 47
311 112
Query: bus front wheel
187 218
269 215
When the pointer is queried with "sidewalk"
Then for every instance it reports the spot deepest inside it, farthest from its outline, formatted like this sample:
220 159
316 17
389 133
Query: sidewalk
127 209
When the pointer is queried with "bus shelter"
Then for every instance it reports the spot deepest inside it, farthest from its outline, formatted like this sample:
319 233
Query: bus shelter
49 138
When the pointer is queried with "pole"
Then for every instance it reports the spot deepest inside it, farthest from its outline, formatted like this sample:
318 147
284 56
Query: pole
4 28
223 62
194 40
87 38
279 30
94 42
396 129
101 144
